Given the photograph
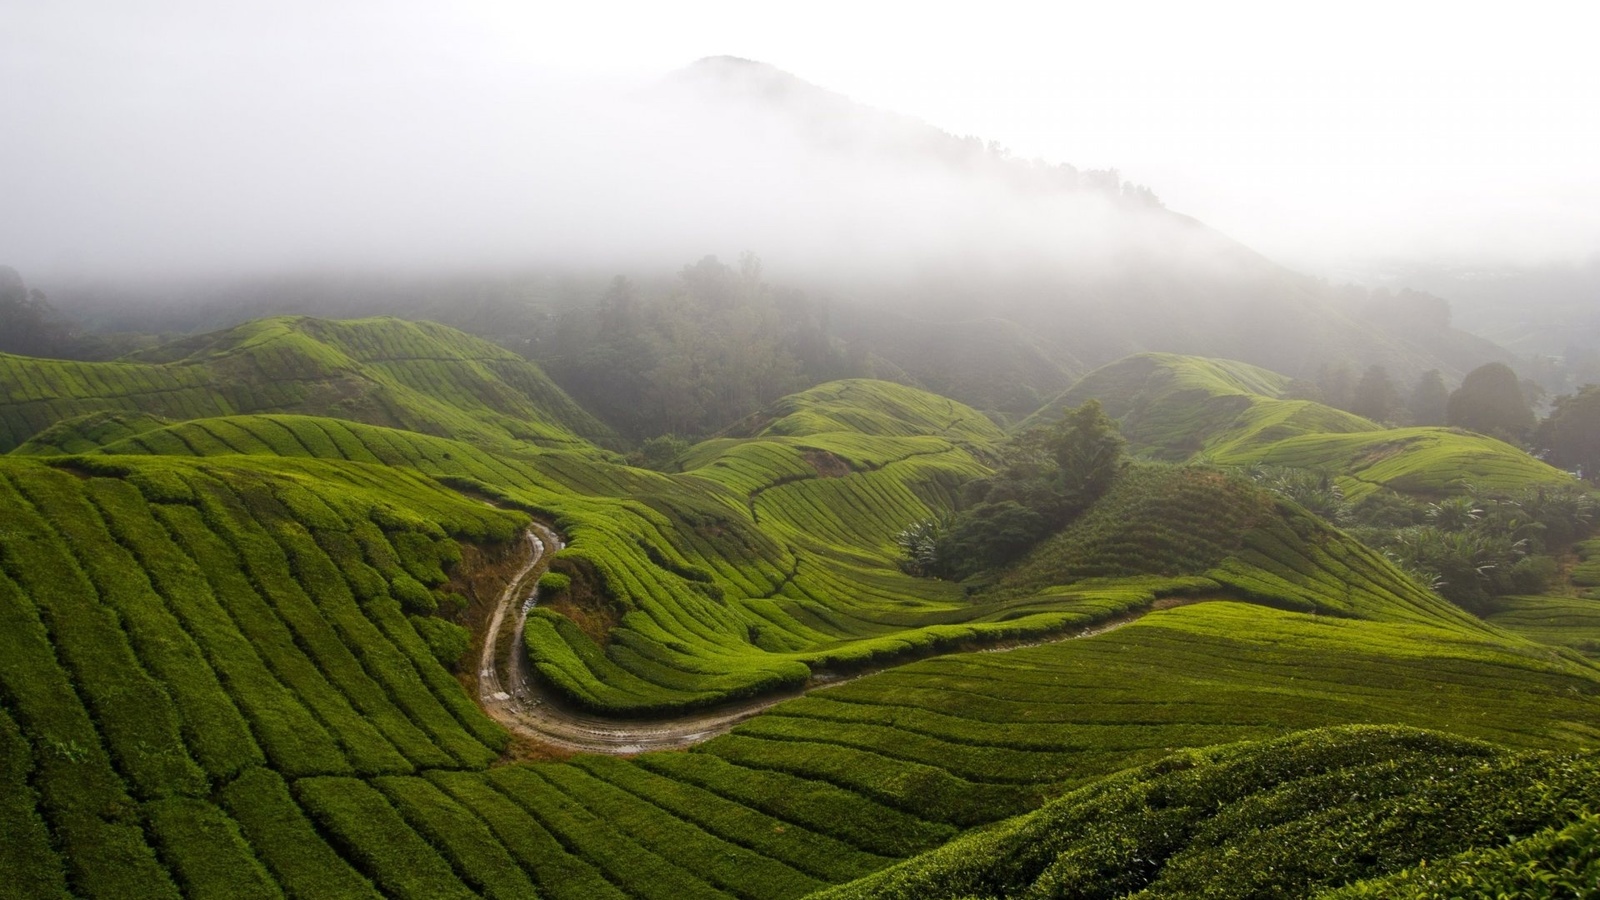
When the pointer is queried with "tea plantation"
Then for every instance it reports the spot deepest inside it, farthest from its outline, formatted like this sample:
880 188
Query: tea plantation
236 625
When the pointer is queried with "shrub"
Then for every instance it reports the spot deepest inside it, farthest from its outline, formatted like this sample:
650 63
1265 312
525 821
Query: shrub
412 595
447 641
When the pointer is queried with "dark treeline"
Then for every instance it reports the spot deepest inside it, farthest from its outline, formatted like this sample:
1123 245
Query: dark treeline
713 348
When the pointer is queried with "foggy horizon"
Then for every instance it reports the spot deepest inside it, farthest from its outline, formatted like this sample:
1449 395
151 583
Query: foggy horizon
180 140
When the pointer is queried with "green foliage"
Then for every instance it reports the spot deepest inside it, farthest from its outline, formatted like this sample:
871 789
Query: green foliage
1375 396
211 635
1156 520
1490 401
551 583
1175 407
1283 818
1051 475
1087 451
1478 546
419 376
919 546
659 452
876 408
987 536
396 858
1423 462
448 641
1429 399
715 349
1559 862
1558 621
1317 492
1570 435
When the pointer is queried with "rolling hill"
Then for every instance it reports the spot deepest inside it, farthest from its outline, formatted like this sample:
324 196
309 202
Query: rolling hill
418 376
1182 408
234 658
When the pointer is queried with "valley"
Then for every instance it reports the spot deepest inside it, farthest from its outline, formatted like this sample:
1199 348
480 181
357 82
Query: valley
291 651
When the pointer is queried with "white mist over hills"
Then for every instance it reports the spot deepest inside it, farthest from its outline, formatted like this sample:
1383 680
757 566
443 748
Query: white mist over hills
178 137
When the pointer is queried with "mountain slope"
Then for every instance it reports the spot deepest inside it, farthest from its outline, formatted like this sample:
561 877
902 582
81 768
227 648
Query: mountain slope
418 376
1283 818
229 643
1181 407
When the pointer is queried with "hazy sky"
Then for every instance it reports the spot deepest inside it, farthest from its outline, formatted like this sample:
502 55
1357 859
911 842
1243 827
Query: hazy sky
253 133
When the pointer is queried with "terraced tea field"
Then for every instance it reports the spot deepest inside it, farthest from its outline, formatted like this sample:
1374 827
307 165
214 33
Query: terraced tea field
240 656
1182 408
418 376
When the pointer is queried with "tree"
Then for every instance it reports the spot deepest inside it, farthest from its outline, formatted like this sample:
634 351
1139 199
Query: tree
1490 401
1375 395
1570 435
1088 451
1429 399
1337 385
29 325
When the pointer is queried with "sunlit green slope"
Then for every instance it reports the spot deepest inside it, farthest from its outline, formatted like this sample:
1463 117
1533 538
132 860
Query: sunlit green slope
1281 819
182 638
740 576
1196 521
1183 407
413 375
227 668
1173 407
874 408
1425 462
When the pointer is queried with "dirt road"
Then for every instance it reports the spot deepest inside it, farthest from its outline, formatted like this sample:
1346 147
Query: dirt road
522 704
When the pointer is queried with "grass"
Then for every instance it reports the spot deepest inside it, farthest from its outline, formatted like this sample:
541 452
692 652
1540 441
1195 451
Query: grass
1173 407
1182 408
224 652
1559 621
414 375
1424 462
1283 818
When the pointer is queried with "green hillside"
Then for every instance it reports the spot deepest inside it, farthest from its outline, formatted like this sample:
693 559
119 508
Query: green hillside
737 577
1173 407
1232 414
254 622
874 408
235 662
1195 521
1283 818
1423 462
417 376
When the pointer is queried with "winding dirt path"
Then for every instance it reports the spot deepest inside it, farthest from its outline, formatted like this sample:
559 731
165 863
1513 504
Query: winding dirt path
521 703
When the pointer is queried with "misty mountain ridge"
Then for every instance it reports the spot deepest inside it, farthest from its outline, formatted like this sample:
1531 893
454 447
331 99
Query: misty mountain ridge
904 234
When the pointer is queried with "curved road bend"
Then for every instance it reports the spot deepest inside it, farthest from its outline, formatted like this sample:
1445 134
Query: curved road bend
523 705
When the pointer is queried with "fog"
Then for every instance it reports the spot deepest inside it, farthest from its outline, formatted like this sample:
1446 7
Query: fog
178 139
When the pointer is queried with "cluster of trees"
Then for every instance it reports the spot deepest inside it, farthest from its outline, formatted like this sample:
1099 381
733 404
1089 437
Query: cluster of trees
29 325
717 347
1474 548
1048 477
1570 435
1470 548
1375 395
1491 400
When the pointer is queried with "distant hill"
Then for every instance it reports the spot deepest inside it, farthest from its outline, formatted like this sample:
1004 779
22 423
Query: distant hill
1276 818
233 651
1181 408
1099 271
869 407
419 376
942 261
1173 407
991 364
